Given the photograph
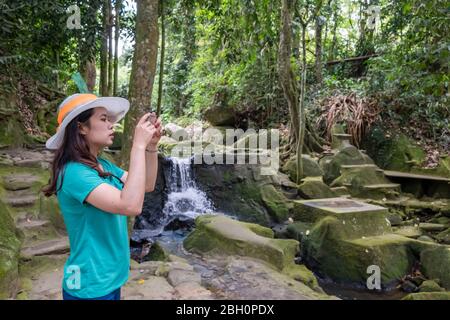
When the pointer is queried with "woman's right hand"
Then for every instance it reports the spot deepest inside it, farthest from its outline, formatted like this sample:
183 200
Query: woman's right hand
144 131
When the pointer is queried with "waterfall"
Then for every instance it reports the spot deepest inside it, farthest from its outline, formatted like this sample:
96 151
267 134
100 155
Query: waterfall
184 197
182 201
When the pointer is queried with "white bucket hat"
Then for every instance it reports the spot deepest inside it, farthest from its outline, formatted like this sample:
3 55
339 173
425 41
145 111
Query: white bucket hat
77 103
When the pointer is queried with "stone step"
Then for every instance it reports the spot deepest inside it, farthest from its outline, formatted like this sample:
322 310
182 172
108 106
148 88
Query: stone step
398 174
48 247
21 201
432 227
409 232
382 186
357 166
19 181
31 224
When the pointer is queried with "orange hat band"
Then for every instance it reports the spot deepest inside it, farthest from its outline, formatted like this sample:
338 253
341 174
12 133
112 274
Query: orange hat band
70 105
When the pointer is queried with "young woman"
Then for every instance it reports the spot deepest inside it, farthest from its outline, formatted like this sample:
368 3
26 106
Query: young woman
95 196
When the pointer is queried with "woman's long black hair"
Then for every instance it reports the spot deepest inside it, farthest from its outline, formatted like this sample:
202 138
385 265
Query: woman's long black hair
73 148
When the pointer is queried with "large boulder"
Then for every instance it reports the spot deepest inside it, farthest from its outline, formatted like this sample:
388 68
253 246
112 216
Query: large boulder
346 260
243 191
315 188
220 115
436 264
222 235
346 155
396 152
9 254
311 167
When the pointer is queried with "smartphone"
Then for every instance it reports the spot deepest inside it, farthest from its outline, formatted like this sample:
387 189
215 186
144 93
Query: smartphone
152 118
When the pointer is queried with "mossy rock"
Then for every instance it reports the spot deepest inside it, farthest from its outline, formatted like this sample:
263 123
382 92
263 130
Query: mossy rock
368 221
346 261
428 296
9 254
220 115
276 203
444 236
315 188
298 230
435 263
430 286
311 167
350 155
157 253
49 209
222 235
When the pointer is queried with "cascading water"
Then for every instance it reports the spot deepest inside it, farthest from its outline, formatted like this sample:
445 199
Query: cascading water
181 202
184 197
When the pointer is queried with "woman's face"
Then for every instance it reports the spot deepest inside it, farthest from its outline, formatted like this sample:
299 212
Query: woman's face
100 131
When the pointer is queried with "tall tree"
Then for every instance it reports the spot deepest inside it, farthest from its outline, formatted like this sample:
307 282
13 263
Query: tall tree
286 74
104 51
143 69
161 62
110 49
118 10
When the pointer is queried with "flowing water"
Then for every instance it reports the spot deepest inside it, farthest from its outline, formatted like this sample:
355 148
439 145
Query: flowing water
185 201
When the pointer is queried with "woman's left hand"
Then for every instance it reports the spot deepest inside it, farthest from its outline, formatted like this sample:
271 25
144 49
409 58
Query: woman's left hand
154 141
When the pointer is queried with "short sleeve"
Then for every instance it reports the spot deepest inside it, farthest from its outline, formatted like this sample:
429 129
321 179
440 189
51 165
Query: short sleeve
79 180
114 169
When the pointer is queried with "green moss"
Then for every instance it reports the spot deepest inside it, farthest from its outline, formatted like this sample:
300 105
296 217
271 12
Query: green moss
428 296
310 167
303 274
157 253
435 263
222 235
9 253
314 188
430 286
275 202
327 247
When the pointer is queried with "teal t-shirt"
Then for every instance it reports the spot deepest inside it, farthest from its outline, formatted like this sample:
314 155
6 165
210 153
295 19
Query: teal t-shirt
99 260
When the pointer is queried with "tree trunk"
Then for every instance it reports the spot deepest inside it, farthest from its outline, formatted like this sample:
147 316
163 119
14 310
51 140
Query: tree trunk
89 73
110 50
142 72
116 45
318 50
302 109
104 51
161 62
287 78
332 52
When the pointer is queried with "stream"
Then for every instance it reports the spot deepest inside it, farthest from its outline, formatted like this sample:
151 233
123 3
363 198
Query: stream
184 201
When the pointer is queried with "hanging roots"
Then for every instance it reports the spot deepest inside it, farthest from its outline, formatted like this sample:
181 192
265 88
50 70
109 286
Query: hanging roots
358 115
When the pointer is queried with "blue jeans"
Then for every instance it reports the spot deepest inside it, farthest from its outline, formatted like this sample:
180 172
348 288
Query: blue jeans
115 295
